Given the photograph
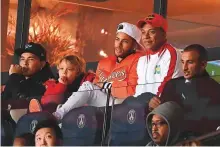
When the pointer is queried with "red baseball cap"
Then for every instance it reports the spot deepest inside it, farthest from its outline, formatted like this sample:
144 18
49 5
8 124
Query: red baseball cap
155 20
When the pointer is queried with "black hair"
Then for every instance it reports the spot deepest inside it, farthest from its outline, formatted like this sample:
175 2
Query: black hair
28 137
203 54
50 124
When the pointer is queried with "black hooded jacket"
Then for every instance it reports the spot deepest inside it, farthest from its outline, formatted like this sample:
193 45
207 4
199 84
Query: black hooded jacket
172 113
18 87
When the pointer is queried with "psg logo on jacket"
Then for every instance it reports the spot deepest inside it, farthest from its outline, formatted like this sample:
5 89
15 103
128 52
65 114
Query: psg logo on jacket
81 121
131 116
33 125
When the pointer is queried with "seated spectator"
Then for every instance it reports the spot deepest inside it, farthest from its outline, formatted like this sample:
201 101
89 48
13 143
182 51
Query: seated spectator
48 133
26 79
164 124
24 140
196 91
116 73
161 61
71 70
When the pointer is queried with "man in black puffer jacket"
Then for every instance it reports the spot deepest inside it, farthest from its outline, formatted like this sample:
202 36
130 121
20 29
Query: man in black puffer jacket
26 79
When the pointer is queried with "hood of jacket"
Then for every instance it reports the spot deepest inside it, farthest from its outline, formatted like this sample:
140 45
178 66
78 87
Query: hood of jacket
173 114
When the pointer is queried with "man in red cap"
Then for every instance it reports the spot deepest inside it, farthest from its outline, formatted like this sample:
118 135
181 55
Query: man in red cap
162 61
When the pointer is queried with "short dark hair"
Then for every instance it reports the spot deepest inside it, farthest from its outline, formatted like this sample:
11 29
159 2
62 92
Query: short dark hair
50 124
203 54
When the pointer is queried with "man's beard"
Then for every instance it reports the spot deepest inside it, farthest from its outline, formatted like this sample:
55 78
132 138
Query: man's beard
129 52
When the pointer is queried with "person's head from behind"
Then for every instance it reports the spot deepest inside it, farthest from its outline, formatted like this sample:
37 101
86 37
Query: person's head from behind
127 40
194 60
165 122
70 67
26 139
48 133
32 58
153 28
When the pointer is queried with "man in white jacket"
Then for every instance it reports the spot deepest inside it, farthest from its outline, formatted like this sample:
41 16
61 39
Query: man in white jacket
162 61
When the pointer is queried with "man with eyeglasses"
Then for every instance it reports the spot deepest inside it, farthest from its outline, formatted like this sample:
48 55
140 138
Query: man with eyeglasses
164 124
161 62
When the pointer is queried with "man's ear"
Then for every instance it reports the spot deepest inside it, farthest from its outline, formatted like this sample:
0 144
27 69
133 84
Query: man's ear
135 46
203 64
164 34
43 63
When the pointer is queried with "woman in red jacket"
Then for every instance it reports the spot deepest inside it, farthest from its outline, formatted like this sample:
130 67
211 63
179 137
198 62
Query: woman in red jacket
71 70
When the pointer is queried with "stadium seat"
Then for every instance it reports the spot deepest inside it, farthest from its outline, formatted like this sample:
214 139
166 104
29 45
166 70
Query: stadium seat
28 122
82 127
144 98
16 114
128 124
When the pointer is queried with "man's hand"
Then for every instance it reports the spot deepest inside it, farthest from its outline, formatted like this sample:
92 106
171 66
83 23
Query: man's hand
15 68
154 102
63 80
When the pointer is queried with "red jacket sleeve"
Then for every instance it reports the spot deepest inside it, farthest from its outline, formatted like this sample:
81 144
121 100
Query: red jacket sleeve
171 69
54 92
